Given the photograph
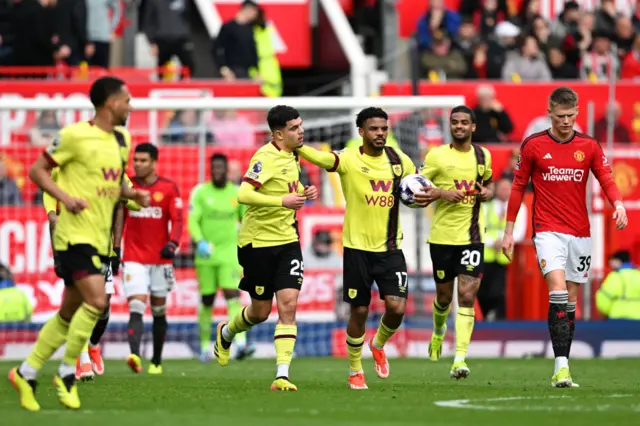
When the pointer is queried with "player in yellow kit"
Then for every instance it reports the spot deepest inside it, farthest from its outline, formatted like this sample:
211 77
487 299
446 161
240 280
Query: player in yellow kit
92 159
461 172
268 243
370 177
90 360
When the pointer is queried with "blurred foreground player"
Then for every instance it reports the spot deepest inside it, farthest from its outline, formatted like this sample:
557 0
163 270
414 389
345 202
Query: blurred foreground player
90 360
370 176
268 243
92 157
149 249
214 215
558 161
461 173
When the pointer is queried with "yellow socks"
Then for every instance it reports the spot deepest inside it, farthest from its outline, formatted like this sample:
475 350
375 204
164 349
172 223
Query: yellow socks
464 328
52 335
440 315
234 308
284 339
354 350
384 333
240 322
80 329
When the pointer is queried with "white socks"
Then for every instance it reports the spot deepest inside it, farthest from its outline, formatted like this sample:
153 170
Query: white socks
66 370
227 334
27 371
84 358
561 362
283 370
458 359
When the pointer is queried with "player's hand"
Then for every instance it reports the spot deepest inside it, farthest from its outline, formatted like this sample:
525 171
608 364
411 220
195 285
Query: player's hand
620 216
142 197
485 194
169 251
507 246
452 196
426 196
114 261
75 205
293 201
203 249
311 192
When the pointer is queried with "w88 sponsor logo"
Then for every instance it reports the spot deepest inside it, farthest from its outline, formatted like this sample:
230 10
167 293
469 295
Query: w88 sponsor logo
556 174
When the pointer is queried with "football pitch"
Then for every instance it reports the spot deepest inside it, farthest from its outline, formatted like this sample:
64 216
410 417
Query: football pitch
418 392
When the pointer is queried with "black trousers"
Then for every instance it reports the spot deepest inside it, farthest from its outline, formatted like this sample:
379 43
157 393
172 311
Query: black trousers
491 295
100 57
183 49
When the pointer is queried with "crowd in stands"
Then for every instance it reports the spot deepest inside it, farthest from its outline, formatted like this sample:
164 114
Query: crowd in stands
491 39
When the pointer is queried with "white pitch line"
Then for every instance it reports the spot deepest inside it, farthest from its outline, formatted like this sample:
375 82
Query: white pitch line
481 403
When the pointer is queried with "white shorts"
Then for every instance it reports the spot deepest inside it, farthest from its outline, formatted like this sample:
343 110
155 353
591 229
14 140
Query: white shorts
564 252
143 279
108 279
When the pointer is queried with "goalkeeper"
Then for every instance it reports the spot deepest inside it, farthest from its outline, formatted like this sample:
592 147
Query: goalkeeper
214 214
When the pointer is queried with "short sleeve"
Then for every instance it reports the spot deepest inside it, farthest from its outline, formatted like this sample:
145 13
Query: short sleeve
487 177
62 149
408 167
429 168
260 170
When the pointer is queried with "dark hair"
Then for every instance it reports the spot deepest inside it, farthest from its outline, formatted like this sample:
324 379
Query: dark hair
148 148
367 113
622 255
279 115
248 3
218 156
464 109
103 88
261 19
563 96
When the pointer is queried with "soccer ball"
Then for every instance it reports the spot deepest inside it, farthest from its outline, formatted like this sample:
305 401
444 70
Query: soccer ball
410 185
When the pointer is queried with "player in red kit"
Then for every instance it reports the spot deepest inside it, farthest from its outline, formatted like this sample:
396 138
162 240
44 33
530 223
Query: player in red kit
149 248
558 162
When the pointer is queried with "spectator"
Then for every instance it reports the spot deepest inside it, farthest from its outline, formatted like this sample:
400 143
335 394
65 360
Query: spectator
540 30
631 63
438 18
15 306
606 17
9 192
526 65
466 41
185 127
567 22
443 59
45 128
624 35
166 24
32 27
619 295
493 124
268 65
620 131
232 129
488 17
529 11
599 63
559 67
491 295
320 254
496 53
103 17
71 28
577 43
235 49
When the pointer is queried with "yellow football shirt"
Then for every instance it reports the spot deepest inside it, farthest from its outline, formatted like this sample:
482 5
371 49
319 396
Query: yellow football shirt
372 213
458 223
91 163
274 172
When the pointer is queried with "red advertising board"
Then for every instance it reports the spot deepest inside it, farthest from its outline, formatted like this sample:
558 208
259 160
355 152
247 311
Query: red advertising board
15 125
526 103
289 20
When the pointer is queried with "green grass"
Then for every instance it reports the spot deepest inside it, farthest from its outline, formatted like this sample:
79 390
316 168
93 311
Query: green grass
190 393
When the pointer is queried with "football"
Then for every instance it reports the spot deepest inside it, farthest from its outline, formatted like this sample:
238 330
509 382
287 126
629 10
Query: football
410 185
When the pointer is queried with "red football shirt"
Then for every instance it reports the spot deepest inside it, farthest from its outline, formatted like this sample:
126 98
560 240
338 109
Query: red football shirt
147 231
559 171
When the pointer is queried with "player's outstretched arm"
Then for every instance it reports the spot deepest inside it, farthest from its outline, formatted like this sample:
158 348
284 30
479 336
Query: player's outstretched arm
326 160
140 196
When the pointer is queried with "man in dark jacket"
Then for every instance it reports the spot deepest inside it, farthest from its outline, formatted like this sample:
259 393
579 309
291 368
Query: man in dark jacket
32 28
235 49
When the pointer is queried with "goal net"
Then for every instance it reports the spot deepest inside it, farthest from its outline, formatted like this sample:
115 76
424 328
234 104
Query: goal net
188 130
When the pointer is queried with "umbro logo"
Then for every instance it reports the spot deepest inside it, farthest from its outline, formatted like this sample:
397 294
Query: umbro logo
547 157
